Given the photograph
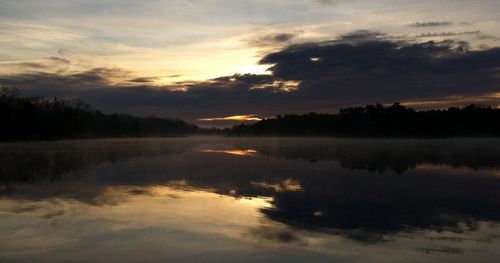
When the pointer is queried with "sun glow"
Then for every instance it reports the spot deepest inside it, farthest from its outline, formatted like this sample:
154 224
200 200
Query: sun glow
254 69
248 152
249 117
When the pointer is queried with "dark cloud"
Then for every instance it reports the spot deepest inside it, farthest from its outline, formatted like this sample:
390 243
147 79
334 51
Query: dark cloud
359 37
144 79
358 68
150 80
273 39
450 34
381 69
64 85
229 95
283 37
432 24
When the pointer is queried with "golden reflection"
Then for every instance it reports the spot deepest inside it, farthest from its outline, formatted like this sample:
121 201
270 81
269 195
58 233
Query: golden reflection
248 152
257 202
250 117
162 208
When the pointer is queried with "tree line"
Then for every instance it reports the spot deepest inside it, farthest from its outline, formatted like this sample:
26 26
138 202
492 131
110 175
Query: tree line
378 121
26 118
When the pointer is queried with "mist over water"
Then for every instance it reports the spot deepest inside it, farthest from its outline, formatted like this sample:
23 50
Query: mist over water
214 199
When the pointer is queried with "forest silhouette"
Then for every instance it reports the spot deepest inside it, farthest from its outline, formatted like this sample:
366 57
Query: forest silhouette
27 118
378 121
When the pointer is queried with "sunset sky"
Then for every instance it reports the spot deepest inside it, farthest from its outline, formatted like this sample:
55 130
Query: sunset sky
209 61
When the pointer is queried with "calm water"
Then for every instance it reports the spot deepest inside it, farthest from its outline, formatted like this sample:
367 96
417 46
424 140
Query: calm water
250 200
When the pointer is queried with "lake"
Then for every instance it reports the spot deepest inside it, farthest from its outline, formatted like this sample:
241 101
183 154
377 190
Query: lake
215 199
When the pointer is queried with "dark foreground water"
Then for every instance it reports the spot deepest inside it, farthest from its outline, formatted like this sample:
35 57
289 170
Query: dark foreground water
250 200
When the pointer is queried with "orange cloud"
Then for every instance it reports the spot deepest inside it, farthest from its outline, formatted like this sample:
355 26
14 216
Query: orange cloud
250 117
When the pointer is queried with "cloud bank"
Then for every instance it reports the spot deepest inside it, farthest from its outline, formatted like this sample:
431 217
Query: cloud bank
357 68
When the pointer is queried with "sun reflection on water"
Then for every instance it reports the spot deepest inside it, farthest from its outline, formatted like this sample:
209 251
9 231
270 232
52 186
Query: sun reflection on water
247 152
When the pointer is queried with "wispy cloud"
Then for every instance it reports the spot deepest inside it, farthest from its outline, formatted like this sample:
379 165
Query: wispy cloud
59 60
431 24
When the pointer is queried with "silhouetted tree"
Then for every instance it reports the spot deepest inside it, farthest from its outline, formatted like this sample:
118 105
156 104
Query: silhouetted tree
379 121
26 118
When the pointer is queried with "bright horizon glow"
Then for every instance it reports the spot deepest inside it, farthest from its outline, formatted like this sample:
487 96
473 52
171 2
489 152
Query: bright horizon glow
250 117
248 152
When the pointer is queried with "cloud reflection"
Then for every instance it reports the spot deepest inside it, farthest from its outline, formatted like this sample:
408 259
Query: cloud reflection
363 190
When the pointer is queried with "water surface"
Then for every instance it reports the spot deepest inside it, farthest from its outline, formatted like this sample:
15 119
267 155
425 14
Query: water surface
250 200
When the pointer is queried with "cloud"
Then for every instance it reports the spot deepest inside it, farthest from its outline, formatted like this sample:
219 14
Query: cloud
450 34
114 90
283 37
59 60
144 80
32 65
358 68
271 39
370 67
432 24
64 85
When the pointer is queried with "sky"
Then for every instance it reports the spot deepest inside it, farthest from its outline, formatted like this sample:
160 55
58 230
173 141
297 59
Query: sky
220 62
